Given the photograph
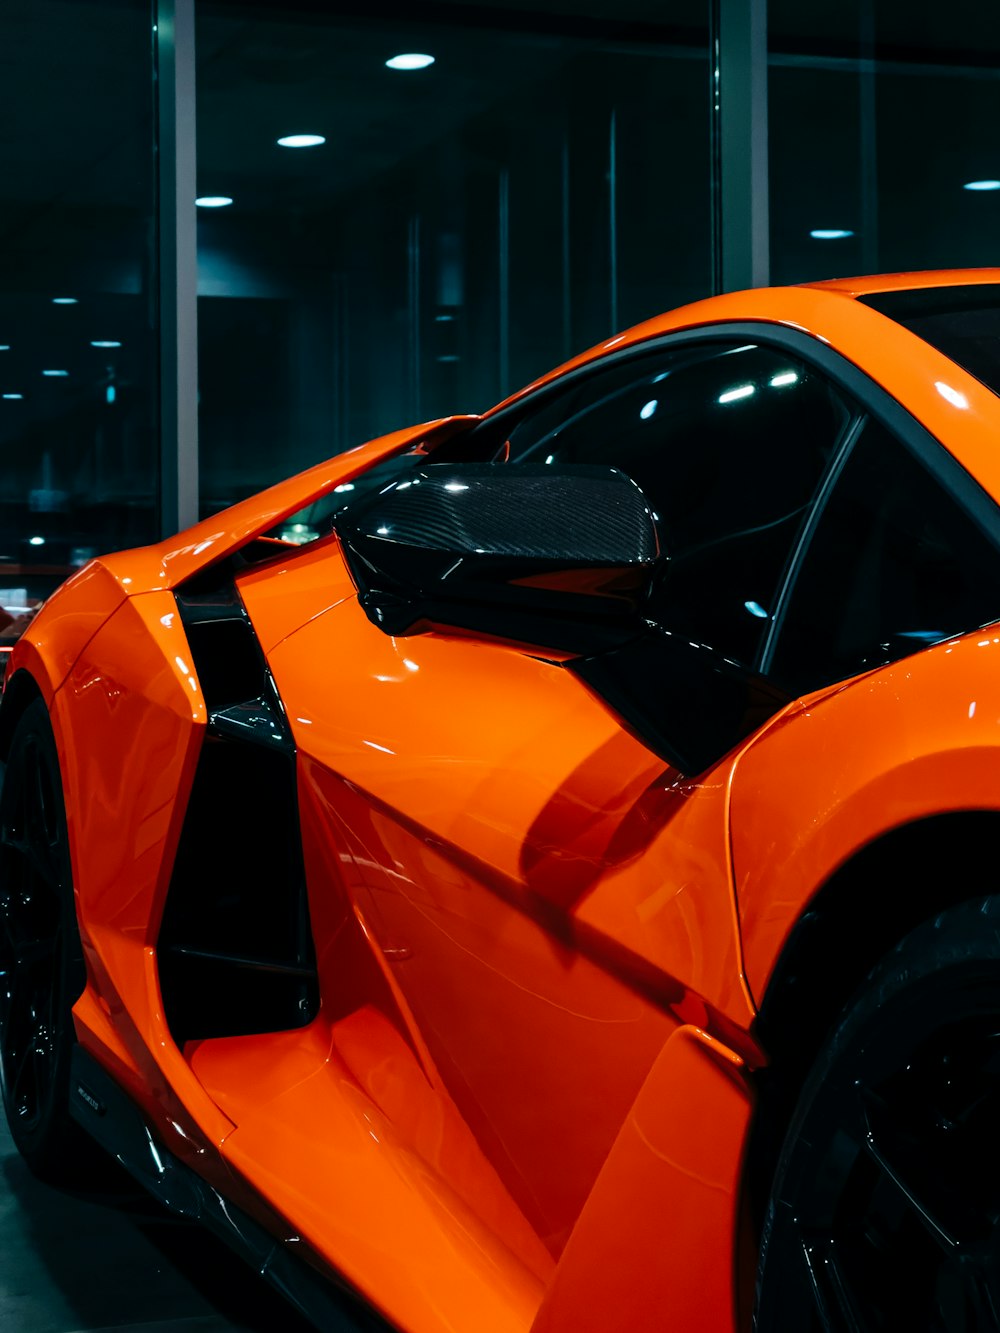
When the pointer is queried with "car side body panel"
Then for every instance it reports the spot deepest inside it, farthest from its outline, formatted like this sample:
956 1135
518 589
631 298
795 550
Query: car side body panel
294 588
516 905
645 1253
846 766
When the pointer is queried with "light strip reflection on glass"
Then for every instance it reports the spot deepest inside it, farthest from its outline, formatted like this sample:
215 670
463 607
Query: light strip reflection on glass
734 395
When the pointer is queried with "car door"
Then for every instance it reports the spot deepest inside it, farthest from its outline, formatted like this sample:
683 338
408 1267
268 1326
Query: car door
546 894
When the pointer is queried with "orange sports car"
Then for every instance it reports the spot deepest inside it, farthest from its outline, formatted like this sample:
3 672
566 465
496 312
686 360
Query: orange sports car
561 895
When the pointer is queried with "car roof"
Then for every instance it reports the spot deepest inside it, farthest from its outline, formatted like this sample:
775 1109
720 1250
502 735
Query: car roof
899 282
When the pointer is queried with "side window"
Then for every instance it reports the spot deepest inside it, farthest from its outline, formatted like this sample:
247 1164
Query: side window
729 445
894 565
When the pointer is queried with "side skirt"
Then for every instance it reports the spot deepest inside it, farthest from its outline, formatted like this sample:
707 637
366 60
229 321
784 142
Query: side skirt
108 1115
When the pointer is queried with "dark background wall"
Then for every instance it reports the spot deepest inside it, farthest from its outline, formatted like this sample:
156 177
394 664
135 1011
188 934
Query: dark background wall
547 180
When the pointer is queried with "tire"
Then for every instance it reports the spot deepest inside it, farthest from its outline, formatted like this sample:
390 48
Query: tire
884 1212
41 959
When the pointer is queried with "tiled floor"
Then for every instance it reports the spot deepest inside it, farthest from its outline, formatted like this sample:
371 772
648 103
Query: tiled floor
115 1261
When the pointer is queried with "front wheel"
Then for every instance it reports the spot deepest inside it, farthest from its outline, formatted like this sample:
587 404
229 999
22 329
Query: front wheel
885 1208
41 966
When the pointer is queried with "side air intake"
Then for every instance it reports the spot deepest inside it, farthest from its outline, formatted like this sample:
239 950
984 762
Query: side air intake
235 950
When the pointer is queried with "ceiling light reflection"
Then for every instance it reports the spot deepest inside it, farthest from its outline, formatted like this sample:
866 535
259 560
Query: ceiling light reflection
734 395
951 395
410 60
302 141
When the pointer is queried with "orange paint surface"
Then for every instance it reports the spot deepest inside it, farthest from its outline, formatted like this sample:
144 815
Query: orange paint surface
647 1242
128 738
868 756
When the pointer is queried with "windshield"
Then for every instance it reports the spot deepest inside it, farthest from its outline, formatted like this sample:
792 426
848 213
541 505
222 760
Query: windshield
961 322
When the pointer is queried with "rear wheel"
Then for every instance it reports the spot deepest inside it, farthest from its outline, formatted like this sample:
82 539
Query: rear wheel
885 1208
41 965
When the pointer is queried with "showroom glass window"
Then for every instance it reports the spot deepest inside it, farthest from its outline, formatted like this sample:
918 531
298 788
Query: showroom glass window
882 118
729 443
464 226
79 461
894 565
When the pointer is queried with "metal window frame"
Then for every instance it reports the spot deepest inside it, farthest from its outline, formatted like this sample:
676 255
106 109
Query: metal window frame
177 254
740 185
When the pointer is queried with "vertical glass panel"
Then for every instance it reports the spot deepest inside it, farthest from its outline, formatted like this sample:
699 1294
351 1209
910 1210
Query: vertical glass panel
881 116
894 566
462 228
79 463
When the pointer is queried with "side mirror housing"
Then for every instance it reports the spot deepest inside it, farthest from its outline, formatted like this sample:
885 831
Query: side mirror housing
556 557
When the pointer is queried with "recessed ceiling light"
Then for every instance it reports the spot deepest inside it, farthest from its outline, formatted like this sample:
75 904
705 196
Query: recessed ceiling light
830 234
410 60
105 342
981 185
55 373
64 300
213 200
302 141
36 541
13 395
4 347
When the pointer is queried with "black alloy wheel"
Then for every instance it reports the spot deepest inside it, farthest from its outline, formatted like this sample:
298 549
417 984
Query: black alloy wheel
41 965
885 1209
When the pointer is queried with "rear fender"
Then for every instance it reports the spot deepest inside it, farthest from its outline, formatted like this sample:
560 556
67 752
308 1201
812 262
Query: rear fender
839 771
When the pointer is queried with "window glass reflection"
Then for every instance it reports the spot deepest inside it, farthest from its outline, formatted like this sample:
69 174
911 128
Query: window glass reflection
894 565
78 454
464 226
881 116
729 445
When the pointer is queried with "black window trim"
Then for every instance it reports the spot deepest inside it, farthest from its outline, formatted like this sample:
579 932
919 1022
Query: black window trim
865 398
800 550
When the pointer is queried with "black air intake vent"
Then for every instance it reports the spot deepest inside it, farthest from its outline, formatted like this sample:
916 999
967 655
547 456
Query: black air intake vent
227 657
235 949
